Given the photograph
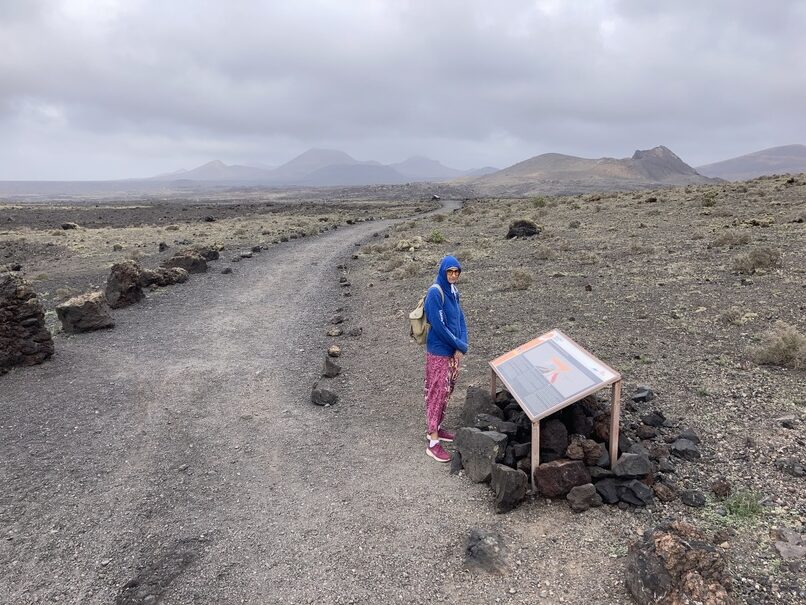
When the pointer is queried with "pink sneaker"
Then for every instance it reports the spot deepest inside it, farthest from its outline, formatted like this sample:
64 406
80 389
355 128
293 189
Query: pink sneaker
438 453
446 436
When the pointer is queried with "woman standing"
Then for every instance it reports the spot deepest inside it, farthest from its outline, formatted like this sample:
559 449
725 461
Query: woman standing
445 346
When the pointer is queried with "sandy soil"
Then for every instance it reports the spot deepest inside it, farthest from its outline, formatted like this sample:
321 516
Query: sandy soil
177 458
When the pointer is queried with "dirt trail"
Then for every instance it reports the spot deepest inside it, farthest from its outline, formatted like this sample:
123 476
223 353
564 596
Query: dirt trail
177 459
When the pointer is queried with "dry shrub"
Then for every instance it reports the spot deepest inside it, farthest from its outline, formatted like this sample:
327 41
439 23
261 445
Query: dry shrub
782 345
438 218
172 228
758 258
394 264
545 252
521 280
588 258
58 233
731 239
407 270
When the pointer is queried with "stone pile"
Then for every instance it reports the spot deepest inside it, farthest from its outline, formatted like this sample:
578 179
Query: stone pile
495 446
24 338
126 280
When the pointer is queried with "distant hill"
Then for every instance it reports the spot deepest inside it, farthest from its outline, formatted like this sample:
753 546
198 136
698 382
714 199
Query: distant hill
787 159
321 167
347 175
419 168
215 171
558 173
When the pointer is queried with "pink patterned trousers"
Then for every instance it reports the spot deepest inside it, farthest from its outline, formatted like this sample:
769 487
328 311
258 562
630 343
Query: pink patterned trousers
440 379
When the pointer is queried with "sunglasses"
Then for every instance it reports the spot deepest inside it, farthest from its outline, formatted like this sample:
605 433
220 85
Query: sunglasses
452 271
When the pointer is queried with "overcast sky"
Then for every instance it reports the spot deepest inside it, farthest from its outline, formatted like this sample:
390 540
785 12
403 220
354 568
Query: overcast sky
100 89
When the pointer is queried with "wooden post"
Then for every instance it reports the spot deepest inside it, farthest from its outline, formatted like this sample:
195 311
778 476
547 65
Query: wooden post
615 414
493 385
535 451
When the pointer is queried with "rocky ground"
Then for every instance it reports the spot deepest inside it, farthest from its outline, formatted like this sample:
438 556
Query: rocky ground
658 284
661 285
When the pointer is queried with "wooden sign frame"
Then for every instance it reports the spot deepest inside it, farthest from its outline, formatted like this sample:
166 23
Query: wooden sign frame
614 382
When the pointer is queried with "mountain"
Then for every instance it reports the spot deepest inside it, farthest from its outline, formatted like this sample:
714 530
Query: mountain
346 175
310 161
215 171
419 168
558 173
787 159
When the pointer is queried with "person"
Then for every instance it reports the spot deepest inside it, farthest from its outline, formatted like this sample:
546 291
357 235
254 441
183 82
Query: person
445 346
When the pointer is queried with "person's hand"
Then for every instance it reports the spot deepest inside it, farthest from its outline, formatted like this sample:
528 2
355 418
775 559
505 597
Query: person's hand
457 355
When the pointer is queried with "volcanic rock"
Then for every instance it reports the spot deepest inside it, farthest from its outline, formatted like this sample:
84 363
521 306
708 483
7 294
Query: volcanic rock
323 396
123 284
685 449
478 401
557 478
583 497
522 228
692 497
509 485
553 437
192 263
673 564
24 337
480 450
486 422
330 369
84 313
634 492
485 551
632 465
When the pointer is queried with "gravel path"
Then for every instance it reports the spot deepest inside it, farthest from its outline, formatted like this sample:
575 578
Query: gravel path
177 459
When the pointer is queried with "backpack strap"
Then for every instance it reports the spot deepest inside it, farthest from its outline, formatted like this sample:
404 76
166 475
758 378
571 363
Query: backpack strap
441 293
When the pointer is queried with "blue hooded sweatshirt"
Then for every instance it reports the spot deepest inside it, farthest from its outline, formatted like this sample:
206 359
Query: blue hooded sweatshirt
448 331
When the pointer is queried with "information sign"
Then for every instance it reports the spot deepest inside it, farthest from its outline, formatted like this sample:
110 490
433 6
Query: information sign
550 372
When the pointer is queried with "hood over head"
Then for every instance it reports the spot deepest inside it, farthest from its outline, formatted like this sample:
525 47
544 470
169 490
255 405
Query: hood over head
442 276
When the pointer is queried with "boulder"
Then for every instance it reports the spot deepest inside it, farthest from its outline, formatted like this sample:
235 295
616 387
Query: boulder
24 337
583 497
646 432
674 564
485 551
693 498
665 492
593 452
607 489
522 228
123 284
556 479
480 450
478 401
330 369
643 394
685 449
68 226
690 435
486 422
634 492
163 276
85 313
553 438
509 486
322 396
190 262
632 465
654 418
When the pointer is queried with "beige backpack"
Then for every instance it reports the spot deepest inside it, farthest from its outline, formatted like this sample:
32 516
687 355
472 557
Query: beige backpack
418 324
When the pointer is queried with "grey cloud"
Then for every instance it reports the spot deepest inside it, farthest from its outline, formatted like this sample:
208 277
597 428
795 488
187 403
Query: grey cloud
703 78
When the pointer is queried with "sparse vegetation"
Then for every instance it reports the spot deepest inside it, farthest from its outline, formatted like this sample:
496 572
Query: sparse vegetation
782 345
521 280
759 258
744 506
731 239
436 237
538 202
